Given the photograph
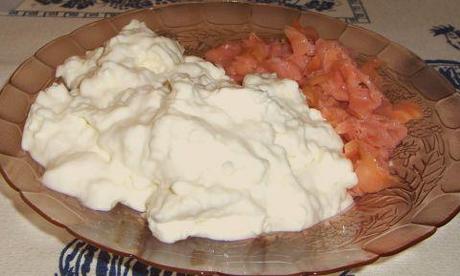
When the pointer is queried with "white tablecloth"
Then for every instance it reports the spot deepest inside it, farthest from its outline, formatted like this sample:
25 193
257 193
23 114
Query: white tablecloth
32 246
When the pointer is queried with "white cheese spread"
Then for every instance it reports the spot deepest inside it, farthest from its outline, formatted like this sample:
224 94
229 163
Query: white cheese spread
138 123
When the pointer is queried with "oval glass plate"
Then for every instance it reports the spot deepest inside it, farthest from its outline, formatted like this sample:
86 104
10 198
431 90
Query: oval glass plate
426 163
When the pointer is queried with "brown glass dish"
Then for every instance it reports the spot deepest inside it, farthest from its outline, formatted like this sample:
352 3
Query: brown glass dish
427 163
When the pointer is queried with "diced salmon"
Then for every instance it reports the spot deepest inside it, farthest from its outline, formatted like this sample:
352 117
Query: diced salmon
335 115
375 130
280 49
371 176
330 53
385 108
284 68
300 61
224 54
312 66
242 65
364 97
351 150
313 94
318 78
405 111
299 42
360 103
326 102
256 47
335 86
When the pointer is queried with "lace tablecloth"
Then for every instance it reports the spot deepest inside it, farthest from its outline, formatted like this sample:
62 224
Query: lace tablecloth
32 246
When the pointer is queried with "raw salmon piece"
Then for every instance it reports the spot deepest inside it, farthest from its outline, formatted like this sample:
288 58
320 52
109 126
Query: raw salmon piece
371 177
330 53
284 68
375 130
280 49
335 86
242 65
313 94
405 111
373 174
360 102
351 151
335 115
224 54
300 61
299 42
256 47
318 78
385 108
325 102
364 97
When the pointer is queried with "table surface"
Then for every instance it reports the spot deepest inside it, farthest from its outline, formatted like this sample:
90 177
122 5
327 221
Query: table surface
32 246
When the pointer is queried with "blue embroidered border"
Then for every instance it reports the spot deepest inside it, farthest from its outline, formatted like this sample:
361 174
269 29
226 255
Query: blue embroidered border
80 258
450 69
359 12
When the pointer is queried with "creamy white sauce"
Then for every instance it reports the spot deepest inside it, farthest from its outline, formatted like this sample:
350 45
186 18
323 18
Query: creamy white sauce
140 124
